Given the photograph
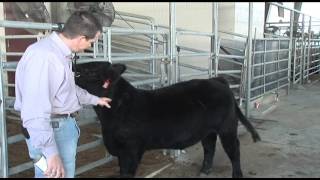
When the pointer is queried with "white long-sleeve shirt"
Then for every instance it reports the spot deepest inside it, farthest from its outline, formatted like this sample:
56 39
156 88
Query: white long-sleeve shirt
44 85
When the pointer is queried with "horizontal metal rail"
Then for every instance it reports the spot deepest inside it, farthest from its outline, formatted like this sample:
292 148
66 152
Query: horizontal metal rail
269 62
267 84
94 164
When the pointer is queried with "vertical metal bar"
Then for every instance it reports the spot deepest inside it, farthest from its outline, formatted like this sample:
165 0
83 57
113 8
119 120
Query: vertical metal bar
290 53
301 61
173 61
294 61
303 51
309 46
3 127
210 60
243 76
164 64
215 42
104 45
317 51
95 49
264 66
278 65
4 164
109 45
165 45
249 59
253 51
153 62
177 67
172 40
217 55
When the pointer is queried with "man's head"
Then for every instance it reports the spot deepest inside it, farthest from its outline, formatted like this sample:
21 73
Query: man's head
81 30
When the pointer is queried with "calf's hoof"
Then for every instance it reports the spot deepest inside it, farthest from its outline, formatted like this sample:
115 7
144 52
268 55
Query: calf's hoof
205 171
237 175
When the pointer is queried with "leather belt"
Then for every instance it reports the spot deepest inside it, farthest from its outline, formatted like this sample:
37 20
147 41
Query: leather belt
54 124
73 115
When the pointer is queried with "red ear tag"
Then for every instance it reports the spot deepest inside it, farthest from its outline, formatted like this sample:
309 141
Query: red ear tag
106 84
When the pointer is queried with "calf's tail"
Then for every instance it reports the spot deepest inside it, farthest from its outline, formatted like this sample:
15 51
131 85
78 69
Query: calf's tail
243 119
247 124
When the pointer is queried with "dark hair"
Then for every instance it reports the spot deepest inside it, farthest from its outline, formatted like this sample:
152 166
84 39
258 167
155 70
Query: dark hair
81 23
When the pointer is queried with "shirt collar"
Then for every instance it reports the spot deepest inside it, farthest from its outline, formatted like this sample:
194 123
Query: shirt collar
66 51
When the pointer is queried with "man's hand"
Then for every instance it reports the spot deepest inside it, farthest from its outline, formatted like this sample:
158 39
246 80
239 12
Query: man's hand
55 167
104 101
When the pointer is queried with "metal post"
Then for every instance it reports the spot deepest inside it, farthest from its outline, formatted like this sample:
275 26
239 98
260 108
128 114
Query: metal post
309 49
177 67
303 51
152 65
253 54
173 63
294 60
278 66
211 56
104 43
4 165
249 59
3 127
109 45
264 66
164 64
95 48
214 42
290 53
172 41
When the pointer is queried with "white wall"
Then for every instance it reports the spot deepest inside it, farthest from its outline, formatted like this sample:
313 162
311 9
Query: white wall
189 15
241 18
226 13
233 16
197 16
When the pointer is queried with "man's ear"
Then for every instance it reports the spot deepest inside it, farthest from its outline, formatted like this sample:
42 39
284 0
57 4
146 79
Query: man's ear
119 68
81 38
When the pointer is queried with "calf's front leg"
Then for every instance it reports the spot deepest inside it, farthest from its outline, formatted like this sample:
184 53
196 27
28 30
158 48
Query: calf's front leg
128 162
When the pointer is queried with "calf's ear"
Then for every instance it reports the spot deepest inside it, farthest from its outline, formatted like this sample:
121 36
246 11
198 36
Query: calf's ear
119 68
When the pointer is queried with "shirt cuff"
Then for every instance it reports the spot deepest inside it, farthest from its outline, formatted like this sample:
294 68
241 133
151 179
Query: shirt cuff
94 100
50 150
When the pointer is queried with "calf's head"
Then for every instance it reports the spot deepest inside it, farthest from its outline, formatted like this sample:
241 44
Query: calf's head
98 77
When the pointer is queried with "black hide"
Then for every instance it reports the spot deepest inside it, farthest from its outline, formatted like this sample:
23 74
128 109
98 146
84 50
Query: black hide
173 117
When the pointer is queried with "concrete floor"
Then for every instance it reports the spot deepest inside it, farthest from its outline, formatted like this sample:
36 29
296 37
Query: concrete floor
290 146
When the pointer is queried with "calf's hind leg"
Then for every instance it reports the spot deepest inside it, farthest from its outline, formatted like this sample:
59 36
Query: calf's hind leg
231 146
209 147
128 162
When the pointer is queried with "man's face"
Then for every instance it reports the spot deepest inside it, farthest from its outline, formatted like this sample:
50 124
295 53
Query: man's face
84 43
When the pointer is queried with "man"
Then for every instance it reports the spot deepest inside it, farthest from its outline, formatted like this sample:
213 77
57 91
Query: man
47 96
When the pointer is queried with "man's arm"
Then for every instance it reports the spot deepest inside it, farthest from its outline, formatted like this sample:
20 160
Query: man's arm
86 98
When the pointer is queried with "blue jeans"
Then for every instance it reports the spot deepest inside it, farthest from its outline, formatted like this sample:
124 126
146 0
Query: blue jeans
66 137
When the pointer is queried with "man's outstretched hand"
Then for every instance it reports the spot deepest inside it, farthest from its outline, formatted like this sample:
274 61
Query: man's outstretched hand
104 101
